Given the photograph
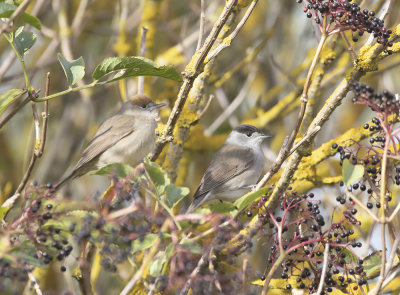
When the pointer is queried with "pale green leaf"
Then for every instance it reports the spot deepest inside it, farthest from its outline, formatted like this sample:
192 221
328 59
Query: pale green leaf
248 198
351 173
74 70
133 66
6 10
3 211
156 266
372 264
143 243
8 97
175 194
115 169
192 246
24 40
223 207
158 176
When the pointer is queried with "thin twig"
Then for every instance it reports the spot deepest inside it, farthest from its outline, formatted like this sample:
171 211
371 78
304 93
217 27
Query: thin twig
195 272
142 53
394 214
282 156
85 261
324 269
20 9
45 116
190 75
146 262
228 40
237 101
349 47
361 204
34 283
204 110
381 278
202 22
37 148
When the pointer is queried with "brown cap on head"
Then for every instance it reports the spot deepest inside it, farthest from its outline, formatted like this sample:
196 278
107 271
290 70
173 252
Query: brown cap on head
140 100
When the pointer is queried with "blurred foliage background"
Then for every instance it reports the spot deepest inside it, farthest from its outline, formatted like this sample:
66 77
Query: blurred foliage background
262 73
265 64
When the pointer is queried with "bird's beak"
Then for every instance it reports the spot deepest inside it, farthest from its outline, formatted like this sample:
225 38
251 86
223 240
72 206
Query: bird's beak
157 106
264 136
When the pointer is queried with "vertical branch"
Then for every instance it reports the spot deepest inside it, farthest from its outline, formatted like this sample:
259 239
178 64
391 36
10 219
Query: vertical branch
383 217
193 69
37 149
142 53
202 22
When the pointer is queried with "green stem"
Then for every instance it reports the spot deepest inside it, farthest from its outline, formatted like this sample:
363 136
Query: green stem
21 60
70 90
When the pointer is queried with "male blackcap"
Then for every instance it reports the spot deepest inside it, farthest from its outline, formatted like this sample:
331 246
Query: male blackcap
235 168
127 137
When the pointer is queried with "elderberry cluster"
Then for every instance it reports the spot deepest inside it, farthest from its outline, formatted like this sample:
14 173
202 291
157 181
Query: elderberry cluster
384 102
343 15
302 231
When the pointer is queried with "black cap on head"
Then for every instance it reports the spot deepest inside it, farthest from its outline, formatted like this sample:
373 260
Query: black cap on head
247 129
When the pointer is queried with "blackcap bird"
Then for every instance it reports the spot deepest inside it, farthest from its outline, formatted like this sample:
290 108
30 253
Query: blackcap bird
127 137
235 168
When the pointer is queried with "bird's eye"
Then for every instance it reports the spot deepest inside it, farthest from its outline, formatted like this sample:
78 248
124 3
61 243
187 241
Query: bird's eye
143 106
248 134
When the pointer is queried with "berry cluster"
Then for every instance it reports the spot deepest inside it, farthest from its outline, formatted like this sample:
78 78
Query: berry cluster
303 233
342 16
384 103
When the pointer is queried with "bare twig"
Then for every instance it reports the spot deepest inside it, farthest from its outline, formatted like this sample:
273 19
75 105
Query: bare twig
142 53
232 107
361 204
85 261
38 148
349 47
190 74
228 40
34 283
381 278
202 22
324 269
282 156
204 110
45 116
146 262
20 10
195 272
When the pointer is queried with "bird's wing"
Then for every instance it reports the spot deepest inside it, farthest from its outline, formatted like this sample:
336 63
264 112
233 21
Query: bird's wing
227 163
108 134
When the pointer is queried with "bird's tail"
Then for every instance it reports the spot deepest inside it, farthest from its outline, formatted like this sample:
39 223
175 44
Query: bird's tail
63 181
196 203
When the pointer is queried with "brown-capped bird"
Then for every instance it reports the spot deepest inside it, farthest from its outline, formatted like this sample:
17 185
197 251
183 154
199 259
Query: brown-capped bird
127 137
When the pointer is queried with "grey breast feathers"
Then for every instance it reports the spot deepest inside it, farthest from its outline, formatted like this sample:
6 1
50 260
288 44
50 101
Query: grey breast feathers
227 163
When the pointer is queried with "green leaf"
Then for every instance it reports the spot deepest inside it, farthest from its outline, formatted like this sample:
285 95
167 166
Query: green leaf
24 40
115 169
133 66
245 200
175 194
143 243
6 10
192 246
157 176
156 266
372 263
6 7
74 70
219 207
351 173
3 211
8 97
